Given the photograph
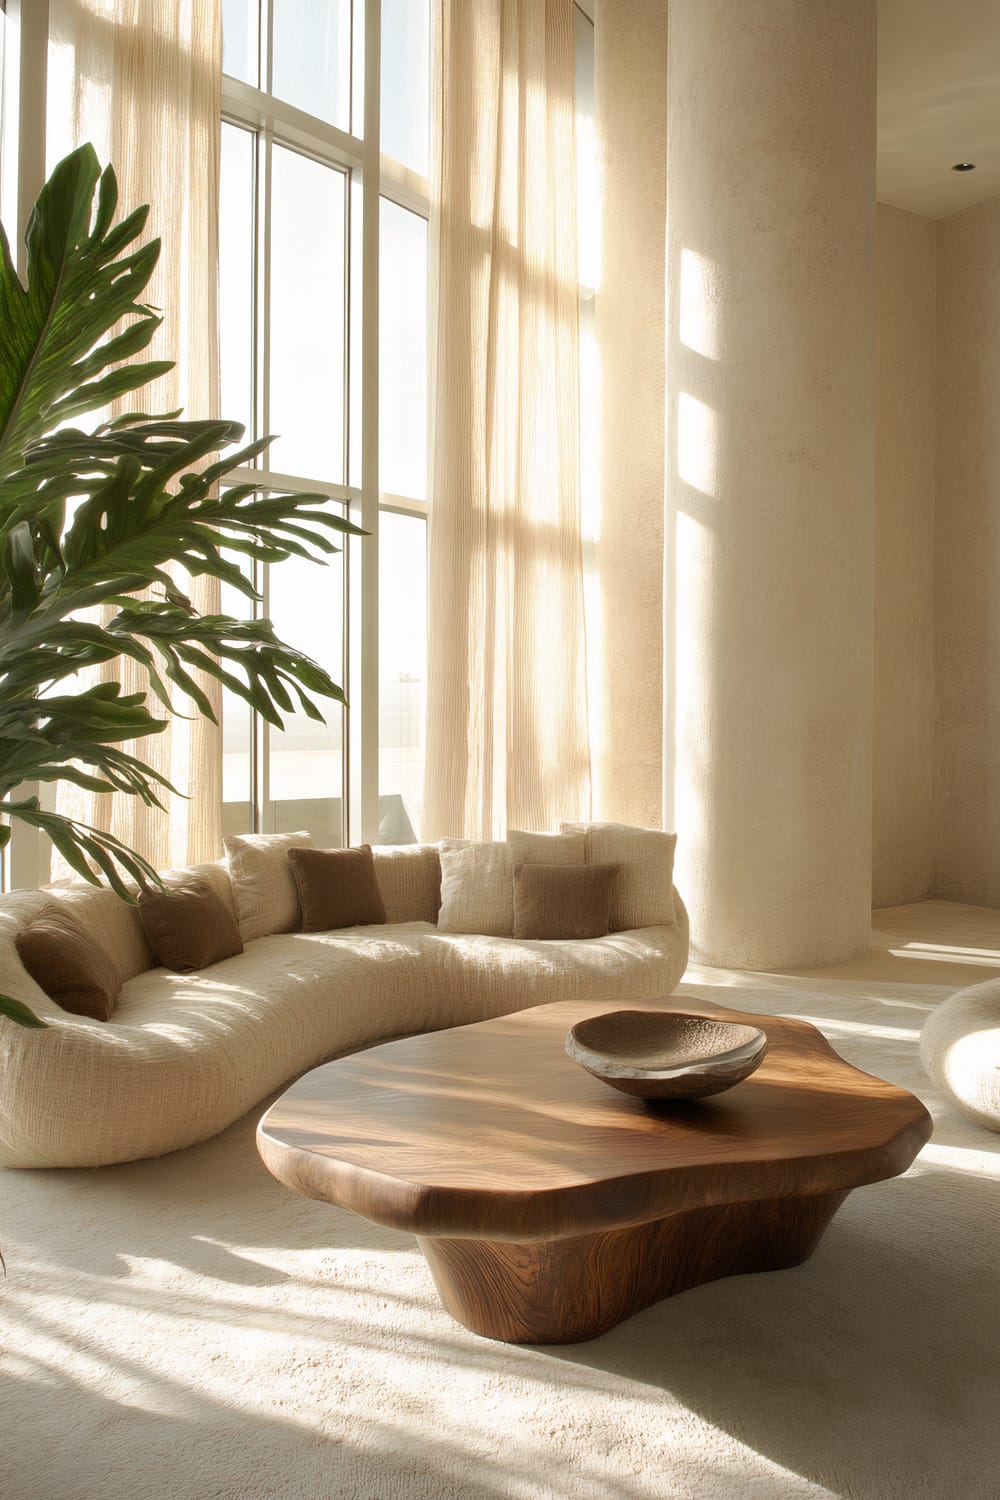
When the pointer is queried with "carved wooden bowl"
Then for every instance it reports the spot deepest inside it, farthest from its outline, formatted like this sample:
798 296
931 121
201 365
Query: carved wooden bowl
656 1055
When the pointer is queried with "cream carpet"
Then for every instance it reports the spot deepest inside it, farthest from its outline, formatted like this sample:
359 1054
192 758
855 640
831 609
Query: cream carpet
187 1328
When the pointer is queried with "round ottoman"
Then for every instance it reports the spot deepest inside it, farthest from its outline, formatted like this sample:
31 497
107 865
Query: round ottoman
960 1050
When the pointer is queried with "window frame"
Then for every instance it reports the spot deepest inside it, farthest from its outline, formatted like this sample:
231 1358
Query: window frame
371 177
24 862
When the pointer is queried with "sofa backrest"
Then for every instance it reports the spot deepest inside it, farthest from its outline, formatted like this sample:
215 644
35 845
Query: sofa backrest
409 877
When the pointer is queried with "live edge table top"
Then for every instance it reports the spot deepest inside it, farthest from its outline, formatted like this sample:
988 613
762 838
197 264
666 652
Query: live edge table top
490 1132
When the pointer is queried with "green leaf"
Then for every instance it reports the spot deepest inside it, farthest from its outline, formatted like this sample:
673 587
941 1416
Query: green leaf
21 1013
146 495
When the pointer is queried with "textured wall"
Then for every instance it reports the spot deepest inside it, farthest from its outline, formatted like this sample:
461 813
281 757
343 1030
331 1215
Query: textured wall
770 371
966 776
904 553
625 603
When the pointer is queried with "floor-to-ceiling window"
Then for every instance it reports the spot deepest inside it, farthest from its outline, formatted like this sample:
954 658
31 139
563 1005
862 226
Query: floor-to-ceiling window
323 281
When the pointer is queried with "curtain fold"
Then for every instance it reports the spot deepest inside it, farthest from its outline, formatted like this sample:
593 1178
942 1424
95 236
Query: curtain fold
141 80
627 671
506 696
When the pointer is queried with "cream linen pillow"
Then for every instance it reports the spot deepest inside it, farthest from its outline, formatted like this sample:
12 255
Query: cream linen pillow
263 885
546 848
643 894
477 888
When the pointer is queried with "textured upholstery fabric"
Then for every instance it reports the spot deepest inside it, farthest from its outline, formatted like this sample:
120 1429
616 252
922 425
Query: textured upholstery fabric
70 963
189 926
644 890
409 877
562 901
477 888
186 1054
960 1051
336 888
263 887
546 848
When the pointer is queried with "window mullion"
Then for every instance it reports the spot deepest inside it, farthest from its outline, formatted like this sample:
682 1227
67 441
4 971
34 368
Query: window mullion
247 106
405 188
363 806
261 738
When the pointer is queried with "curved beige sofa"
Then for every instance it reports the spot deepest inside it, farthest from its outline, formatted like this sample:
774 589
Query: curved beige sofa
187 1054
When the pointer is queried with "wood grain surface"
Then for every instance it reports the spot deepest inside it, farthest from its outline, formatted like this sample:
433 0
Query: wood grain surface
491 1132
563 1291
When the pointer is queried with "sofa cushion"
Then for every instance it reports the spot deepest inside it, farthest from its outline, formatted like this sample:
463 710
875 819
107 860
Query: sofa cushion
336 888
189 926
644 891
477 888
69 962
263 887
562 902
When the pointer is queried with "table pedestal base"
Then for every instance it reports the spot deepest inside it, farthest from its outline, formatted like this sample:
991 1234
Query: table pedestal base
567 1290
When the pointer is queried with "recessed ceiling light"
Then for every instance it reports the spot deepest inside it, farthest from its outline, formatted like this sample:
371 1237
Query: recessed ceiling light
964 166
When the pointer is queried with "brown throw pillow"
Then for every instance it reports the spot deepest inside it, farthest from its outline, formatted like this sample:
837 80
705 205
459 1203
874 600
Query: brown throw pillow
337 888
562 901
189 926
70 964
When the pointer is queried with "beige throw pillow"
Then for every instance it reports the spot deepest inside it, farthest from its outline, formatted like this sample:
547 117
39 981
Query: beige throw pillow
546 848
644 891
263 887
566 902
477 888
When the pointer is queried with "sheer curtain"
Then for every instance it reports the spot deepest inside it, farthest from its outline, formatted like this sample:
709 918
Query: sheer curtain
506 706
141 80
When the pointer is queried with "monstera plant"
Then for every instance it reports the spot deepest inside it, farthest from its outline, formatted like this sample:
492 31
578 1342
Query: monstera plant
96 517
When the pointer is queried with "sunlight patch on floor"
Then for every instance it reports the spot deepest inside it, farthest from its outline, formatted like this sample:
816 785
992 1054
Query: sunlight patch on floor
960 1159
988 958
859 1028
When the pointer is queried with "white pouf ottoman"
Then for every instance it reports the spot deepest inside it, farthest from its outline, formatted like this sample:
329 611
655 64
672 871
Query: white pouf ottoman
960 1050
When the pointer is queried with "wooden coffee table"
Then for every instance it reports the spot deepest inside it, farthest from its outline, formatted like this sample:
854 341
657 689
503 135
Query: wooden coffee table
549 1206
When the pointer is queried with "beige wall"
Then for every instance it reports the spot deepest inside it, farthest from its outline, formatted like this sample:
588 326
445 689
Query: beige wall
904 527
966 772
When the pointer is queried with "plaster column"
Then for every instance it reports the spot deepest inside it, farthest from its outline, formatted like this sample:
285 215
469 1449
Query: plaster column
770 474
625 600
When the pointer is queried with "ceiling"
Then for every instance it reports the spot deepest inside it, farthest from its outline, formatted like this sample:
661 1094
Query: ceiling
938 103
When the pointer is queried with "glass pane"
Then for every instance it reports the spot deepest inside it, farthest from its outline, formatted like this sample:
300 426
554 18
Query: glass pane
402 353
311 57
306 603
307 317
236 261
588 195
240 39
406 68
402 669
